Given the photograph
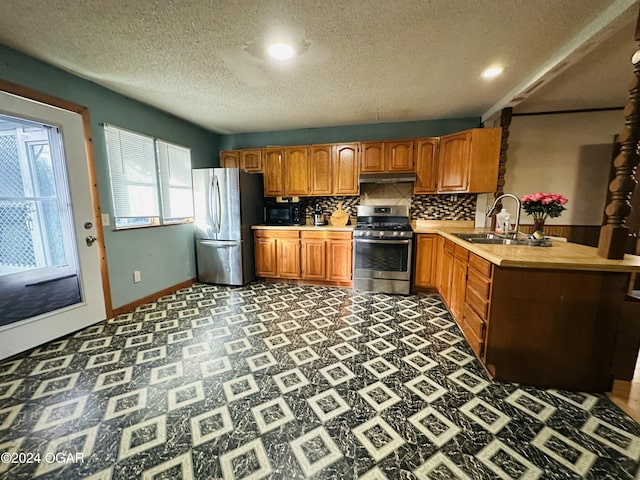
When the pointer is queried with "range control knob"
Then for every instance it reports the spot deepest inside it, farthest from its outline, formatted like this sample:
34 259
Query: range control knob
367 233
395 234
381 234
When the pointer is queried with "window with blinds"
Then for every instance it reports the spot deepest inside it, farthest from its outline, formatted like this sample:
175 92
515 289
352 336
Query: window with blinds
150 179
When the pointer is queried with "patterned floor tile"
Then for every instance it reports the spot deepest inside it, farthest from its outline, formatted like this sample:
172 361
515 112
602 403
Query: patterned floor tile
294 381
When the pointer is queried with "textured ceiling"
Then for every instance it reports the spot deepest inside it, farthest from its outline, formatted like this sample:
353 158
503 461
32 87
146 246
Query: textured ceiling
367 60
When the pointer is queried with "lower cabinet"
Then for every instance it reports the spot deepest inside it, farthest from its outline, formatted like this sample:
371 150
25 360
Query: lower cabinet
277 253
426 248
315 256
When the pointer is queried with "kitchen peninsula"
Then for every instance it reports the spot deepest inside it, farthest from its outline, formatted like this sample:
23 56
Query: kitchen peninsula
542 316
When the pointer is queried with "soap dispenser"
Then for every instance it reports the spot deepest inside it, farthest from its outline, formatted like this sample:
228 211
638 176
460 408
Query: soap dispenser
503 221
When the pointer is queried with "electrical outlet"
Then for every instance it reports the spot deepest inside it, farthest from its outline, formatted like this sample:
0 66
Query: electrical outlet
106 221
137 276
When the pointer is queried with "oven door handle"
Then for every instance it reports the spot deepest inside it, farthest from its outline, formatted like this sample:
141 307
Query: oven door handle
372 240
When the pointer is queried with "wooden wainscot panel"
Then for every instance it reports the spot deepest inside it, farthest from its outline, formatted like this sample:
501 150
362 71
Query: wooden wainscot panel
553 328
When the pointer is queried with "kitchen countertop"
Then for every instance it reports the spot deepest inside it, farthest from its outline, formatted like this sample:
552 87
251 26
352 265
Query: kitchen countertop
326 228
559 256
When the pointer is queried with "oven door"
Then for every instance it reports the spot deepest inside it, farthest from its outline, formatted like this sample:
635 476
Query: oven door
384 259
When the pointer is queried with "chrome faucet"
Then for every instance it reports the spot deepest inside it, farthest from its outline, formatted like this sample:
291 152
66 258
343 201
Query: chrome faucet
493 207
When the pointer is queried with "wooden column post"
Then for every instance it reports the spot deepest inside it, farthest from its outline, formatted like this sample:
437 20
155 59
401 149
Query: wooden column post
505 122
614 235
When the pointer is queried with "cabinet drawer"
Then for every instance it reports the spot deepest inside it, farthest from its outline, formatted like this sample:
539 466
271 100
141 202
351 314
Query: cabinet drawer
479 283
476 344
478 303
277 233
449 246
326 234
480 264
475 323
461 253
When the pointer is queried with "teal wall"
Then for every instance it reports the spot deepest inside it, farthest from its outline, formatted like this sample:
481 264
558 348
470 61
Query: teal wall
349 133
164 255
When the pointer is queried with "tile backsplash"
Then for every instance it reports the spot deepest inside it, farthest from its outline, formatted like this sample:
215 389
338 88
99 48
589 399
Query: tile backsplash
424 207
460 206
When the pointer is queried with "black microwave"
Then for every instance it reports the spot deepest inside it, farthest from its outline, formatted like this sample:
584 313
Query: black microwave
283 214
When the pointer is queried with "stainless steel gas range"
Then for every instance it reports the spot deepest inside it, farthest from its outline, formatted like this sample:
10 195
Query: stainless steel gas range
382 242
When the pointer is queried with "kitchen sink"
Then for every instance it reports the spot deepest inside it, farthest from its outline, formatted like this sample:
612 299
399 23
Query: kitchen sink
490 238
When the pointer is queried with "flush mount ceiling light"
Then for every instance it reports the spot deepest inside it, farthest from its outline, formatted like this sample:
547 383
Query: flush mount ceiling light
280 51
492 72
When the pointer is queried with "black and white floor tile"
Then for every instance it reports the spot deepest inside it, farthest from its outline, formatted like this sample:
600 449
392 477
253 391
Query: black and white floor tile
290 382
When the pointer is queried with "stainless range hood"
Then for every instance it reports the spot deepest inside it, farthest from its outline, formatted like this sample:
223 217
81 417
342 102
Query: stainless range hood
390 177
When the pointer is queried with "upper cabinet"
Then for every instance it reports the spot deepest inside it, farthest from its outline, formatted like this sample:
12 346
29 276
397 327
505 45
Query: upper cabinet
426 166
463 162
273 172
468 161
296 170
230 159
249 159
390 156
346 169
320 169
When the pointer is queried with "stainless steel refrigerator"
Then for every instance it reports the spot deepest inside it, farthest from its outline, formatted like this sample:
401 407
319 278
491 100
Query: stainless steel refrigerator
227 202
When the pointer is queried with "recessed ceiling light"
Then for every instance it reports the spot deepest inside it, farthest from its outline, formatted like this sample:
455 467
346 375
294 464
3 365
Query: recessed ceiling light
492 72
280 51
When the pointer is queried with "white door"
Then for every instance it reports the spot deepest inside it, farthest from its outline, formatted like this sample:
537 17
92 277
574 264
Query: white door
42 257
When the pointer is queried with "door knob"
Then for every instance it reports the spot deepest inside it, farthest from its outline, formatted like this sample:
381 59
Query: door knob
90 239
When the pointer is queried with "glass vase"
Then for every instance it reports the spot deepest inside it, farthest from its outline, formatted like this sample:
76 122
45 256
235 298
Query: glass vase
538 224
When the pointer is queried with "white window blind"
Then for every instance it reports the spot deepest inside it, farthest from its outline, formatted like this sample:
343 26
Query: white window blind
146 174
175 181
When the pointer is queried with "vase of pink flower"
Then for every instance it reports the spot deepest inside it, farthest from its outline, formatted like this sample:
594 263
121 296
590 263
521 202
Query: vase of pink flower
542 206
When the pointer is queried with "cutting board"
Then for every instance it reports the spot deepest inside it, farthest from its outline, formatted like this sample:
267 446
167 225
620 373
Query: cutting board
339 218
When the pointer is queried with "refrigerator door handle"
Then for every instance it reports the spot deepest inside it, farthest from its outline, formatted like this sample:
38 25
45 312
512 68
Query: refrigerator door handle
211 192
219 205
220 243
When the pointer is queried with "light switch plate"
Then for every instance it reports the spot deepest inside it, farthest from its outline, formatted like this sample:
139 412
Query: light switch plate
106 220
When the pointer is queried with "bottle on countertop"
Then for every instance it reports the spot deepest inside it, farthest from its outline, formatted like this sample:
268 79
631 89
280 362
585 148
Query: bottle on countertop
503 221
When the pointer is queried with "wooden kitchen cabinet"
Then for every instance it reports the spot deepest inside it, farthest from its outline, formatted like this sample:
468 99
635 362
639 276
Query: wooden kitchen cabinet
273 172
340 257
389 156
327 256
445 270
296 170
372 157
266 253
230 159
251 160
346 169
458 280
425 260
288 257
314 258
399 156
426 166
321 169
468 161
277 253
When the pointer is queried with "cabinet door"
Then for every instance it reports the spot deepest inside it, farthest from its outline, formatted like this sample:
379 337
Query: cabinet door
230 159
446 272
458 288
314 259
288 253
340 260
453 163
425 269
426 166
346 169
272 164
372 157
320 167
266 255
296 170
251 160
400 156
